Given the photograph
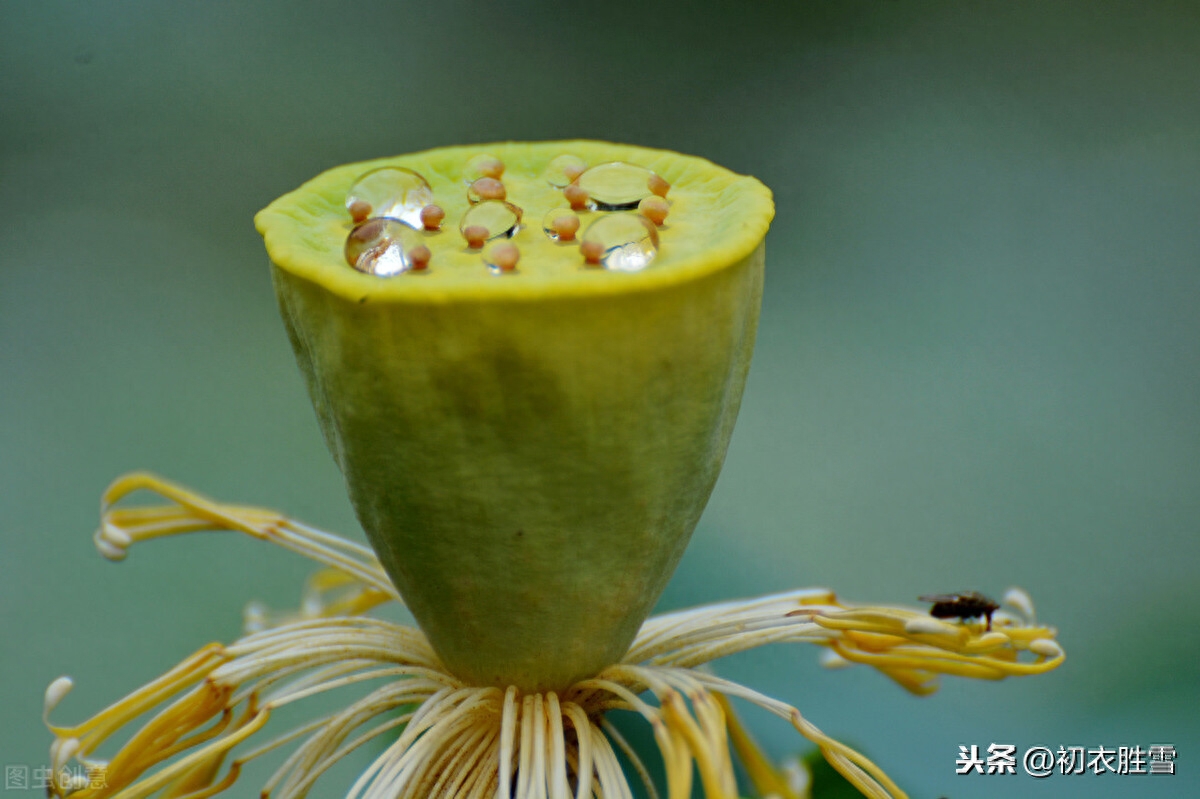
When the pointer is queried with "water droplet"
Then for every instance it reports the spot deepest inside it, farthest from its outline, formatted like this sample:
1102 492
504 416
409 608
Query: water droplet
617 186
489 219
393 192
655 209
620 242
501 257
385 247
560 224
563 170
486 189
483 166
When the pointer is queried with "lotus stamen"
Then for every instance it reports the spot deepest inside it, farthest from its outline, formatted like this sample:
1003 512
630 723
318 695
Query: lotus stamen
483 741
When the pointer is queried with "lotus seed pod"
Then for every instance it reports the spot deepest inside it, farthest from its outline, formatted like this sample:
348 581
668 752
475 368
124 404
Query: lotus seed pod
528 455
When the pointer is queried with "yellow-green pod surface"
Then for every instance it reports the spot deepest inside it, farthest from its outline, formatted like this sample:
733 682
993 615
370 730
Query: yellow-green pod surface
528 452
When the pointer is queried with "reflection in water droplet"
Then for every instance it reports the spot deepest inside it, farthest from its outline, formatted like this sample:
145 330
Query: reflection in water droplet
621 242
501 257
489 219
560 224
393 192
385 247
563 170
486 189
483 166
616 186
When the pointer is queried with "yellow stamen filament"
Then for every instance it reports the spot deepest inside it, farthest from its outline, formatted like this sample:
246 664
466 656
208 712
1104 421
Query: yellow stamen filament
643 773
459 740
193 512
766 778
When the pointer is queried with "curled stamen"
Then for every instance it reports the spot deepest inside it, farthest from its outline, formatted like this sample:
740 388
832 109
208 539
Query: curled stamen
193 512
55 692
1021 601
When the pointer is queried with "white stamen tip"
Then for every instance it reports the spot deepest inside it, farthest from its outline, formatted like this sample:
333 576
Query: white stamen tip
116 536
55 692
1019 600
992 639
1045 647
798 778
929 626
107 548
832 660
254 617
62 751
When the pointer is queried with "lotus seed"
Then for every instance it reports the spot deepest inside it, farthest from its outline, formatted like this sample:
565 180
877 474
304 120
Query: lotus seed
576 196
475 235
432 216
359 210
503 257
655 209
486 189
657 185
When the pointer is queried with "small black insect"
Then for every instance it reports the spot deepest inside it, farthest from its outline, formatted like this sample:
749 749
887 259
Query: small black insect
965 605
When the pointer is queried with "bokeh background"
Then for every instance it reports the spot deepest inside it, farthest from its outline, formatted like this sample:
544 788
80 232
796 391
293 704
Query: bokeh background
978 366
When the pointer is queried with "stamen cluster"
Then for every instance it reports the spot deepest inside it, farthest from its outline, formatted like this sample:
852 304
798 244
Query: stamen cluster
458 740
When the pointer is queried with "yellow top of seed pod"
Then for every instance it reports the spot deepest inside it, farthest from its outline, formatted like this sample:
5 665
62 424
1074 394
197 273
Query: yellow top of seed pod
717 217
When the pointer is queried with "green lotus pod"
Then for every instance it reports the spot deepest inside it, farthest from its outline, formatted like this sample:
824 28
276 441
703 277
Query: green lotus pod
528 449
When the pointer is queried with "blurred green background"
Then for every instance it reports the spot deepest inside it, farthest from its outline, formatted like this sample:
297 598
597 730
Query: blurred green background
978 366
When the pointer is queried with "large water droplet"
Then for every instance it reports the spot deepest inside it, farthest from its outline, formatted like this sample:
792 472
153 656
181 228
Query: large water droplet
616 186
393 192
483 166
385 247
563 170
621 242
560 224
489 219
